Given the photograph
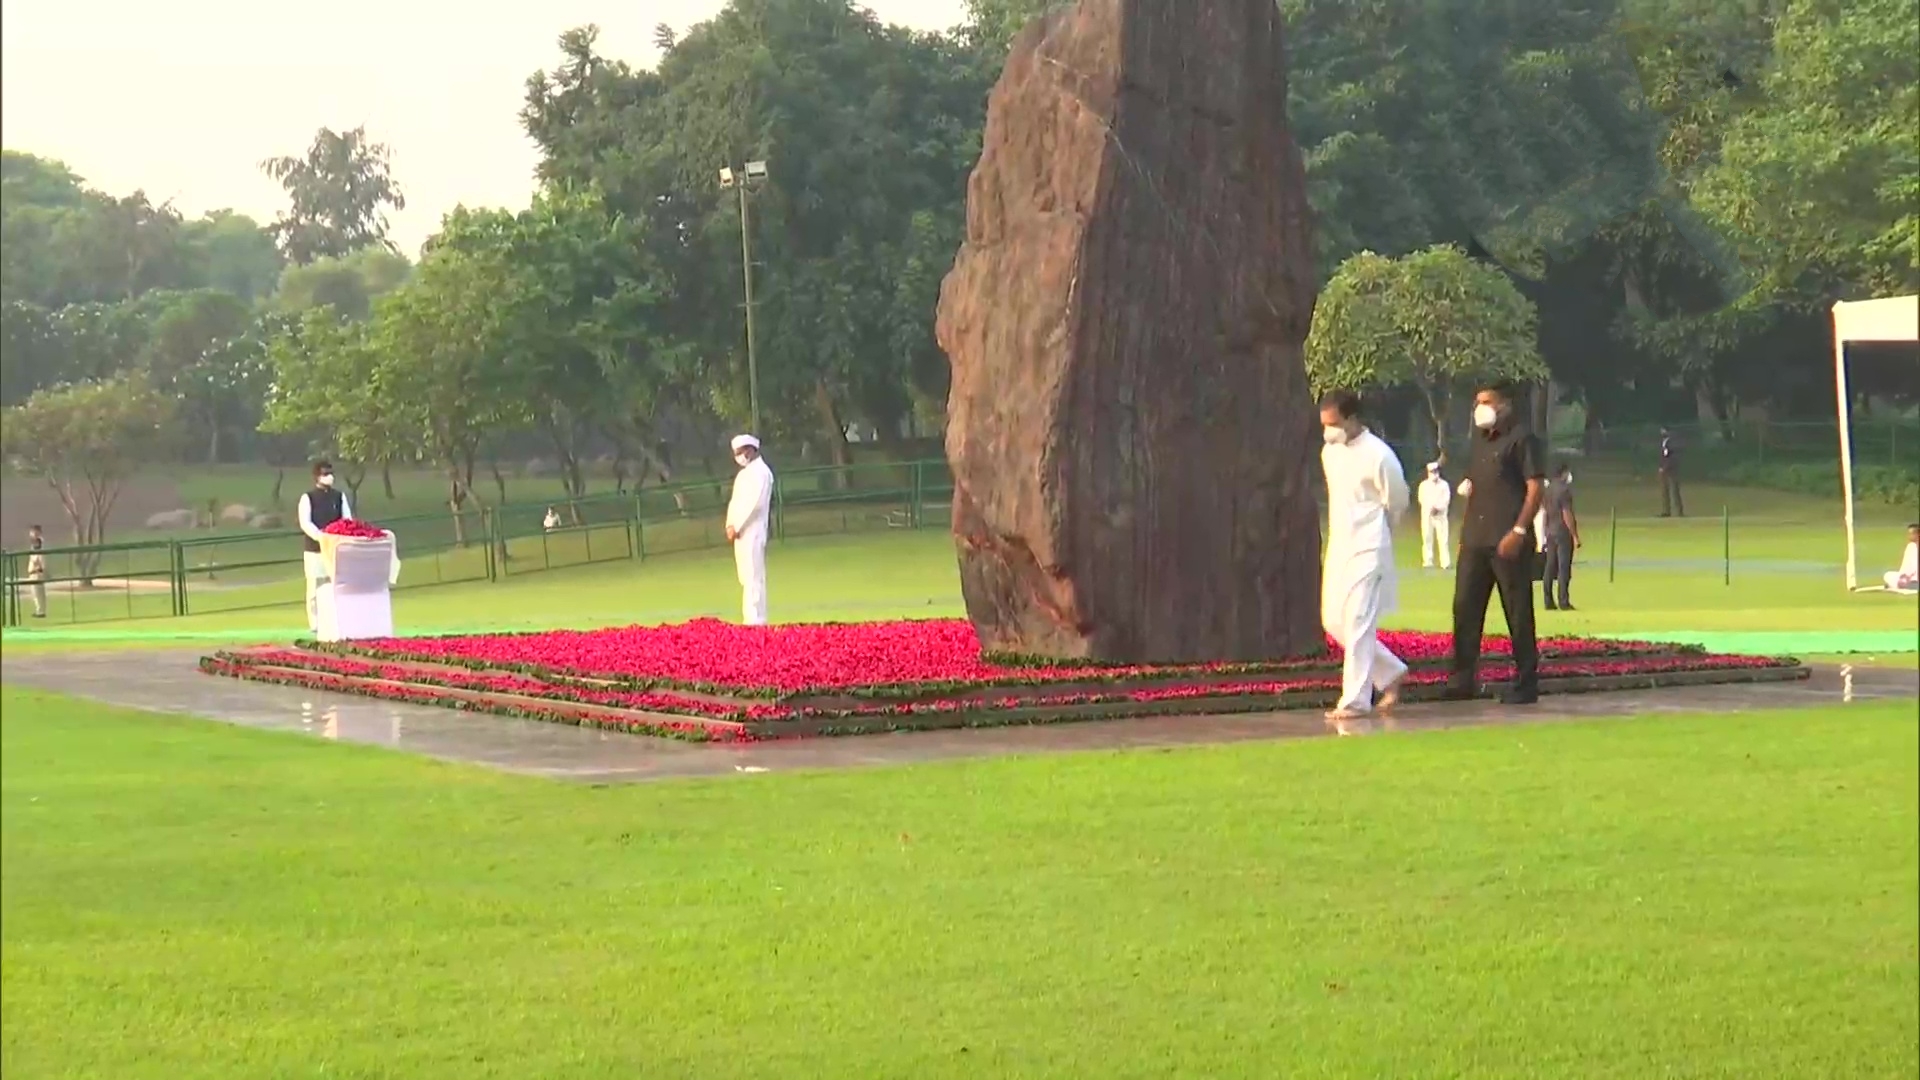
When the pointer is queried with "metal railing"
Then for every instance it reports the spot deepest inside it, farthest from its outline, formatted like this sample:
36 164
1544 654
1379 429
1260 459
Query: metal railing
200 575
239 571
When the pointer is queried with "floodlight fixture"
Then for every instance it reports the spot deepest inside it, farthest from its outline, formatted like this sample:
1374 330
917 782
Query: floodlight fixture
726 177
756 170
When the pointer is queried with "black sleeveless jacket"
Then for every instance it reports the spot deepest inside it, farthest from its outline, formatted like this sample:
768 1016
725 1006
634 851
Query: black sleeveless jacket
328 506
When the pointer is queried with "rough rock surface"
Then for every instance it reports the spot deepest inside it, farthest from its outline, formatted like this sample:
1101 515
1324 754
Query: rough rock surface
1133 442
172 519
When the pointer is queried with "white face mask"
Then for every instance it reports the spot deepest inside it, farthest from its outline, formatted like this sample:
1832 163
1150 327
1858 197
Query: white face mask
1334 436
740 460
1485 416
325 480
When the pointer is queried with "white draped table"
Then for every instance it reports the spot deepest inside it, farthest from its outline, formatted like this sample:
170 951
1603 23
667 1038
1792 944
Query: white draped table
356 600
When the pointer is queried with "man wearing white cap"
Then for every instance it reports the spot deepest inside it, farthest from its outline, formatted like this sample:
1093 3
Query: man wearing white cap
1435 498
747 518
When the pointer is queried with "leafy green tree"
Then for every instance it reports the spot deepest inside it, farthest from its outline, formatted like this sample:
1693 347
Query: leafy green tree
340 191
1820 181
348 284
870 132
580 299
325 391
1434 320
86 440
440 354
198 352
234 254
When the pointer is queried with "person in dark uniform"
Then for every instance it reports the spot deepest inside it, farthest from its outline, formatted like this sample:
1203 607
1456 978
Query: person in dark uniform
1562 536
1670 501
1504 486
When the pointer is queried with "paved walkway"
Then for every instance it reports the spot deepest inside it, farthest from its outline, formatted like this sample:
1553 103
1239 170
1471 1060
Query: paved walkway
169 682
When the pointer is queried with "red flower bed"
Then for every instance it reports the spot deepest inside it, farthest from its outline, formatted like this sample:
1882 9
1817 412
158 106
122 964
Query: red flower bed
876 659
352 682
707 719
359 530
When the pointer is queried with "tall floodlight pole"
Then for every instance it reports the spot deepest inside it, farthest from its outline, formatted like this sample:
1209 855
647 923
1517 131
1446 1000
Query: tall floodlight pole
756 172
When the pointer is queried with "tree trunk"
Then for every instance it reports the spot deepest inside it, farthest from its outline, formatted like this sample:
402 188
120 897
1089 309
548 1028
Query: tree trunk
836 434
456 504
213 444
355 476
1590 432
1437 403
386 479
279 486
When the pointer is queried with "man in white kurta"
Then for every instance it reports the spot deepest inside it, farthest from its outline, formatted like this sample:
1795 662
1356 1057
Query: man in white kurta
747 519
1907 578
1436 498
1366 493
319 508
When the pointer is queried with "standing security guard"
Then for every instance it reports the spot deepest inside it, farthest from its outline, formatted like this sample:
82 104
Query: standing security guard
1562 535
1505 479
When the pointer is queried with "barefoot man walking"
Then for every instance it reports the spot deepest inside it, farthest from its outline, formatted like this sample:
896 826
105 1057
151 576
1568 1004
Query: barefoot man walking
1366 493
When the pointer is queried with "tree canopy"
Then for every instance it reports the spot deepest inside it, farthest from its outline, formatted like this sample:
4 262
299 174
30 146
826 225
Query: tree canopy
1643 205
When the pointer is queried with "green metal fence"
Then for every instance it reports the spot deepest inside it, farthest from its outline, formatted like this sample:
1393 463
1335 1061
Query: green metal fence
232 572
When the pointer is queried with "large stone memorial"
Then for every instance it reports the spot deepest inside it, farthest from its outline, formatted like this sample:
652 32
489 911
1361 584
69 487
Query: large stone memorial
1132 437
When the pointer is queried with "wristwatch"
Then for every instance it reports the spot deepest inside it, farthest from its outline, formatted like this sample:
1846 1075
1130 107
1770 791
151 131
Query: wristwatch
1519 530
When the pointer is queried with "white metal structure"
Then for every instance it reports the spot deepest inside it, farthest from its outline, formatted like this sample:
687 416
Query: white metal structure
1895 318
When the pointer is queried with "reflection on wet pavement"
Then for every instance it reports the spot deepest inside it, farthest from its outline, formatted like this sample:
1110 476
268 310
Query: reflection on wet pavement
169 682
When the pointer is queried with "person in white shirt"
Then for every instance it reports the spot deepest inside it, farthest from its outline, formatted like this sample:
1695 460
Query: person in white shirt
319 508
1908 576
1436 497
1366 493
552 520
747 520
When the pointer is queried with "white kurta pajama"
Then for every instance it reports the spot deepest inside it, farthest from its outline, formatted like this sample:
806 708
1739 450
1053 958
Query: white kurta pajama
1436 497
312 564
1366 492
747 515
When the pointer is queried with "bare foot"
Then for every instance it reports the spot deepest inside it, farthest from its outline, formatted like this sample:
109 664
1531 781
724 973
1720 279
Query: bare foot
1344 714
1391 695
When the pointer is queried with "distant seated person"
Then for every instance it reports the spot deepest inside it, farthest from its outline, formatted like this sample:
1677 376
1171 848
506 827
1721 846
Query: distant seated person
1907 578
552 521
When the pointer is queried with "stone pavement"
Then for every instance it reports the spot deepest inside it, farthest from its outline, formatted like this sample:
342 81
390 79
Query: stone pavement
169 682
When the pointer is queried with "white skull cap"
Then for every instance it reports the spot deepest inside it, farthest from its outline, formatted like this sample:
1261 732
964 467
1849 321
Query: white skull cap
741 442
1433 466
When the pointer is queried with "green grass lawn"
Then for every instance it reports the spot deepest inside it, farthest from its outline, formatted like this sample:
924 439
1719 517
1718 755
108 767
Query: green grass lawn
1696 897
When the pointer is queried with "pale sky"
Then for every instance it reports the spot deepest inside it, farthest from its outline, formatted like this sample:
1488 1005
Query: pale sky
185 99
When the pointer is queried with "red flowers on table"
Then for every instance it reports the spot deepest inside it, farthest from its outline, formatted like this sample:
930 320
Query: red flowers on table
357 530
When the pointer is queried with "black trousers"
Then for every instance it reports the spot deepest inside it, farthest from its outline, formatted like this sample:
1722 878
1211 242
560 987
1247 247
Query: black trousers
1557 578
1670 501
1479 572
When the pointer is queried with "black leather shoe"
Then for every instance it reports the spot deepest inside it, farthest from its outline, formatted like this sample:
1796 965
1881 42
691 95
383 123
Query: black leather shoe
1515 695
1549 606
1458 693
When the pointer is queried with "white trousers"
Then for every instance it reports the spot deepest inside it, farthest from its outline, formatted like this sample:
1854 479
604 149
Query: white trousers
750 563
1351 616
1435 541
1892 578
315 569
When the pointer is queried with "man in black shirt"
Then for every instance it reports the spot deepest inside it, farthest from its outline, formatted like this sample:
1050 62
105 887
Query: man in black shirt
1562 539
1504 485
